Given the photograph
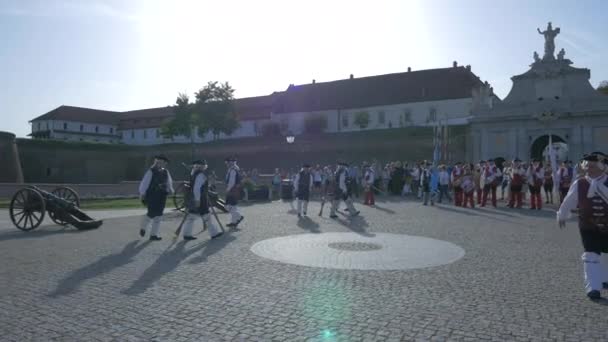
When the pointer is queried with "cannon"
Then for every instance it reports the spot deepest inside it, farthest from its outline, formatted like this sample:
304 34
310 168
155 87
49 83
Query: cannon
182 196
30 204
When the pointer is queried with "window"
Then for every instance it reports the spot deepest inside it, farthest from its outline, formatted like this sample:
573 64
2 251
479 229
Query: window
47 126
381 117
39 126
111 130
157 133
81 128
432 115
345 120
145 133
96 129
65 126
132 134
407 116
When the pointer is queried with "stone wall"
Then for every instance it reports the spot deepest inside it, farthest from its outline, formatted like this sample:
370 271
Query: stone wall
85 163
10 166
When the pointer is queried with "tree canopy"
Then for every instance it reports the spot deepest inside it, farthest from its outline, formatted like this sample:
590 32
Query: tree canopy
213 111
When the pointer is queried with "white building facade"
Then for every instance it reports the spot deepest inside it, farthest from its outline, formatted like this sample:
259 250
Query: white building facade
419 98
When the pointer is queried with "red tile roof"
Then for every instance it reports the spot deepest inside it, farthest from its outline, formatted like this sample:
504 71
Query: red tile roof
80 114
405 87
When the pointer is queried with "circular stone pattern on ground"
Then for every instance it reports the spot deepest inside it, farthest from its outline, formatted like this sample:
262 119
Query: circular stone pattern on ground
382 251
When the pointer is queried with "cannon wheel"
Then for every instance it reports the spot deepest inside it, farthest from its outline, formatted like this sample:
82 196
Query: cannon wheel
27 209
179 197
67 194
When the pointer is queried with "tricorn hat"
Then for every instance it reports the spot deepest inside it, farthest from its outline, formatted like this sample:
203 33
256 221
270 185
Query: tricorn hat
482 161
517 160
306 165
596 157
161 157
199 162
231 159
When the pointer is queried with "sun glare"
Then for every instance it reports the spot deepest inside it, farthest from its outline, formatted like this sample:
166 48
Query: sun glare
264 46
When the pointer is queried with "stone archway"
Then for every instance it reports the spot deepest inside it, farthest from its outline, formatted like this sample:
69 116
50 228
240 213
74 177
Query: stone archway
540 144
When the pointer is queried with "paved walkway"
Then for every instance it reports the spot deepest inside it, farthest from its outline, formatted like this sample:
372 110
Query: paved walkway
520 279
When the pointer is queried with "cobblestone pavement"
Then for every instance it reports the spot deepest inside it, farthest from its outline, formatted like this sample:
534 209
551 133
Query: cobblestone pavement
519 280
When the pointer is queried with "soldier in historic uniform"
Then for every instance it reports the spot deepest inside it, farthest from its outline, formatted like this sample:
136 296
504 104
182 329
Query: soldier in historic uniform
565 176
456 179
516 175
233 188
199 178
590 195
341 191
303 184
153 191
467 183
536 175
368 184
490 176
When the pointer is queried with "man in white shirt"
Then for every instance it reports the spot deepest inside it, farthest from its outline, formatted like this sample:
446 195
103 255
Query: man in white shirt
233 188
589 194
490 174
302 186
153 191
341 192
200 205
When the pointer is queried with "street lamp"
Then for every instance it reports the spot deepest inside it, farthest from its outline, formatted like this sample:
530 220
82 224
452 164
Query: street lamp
290 138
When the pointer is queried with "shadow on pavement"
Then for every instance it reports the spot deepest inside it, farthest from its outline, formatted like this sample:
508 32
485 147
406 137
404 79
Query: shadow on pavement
308 224
171 258
164 264
34 234
474 212
106 264
212 247
386 210
357 224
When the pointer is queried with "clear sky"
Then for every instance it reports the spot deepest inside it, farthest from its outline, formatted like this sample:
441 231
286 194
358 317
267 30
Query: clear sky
135 54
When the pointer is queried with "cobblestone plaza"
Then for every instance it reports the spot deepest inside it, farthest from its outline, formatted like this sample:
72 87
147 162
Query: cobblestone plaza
445 274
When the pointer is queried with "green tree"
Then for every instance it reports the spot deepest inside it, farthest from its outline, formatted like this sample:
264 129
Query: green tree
214 109
315 123
183 122
362 119
603 87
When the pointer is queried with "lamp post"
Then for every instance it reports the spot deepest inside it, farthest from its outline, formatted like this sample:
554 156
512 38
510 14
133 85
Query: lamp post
547 118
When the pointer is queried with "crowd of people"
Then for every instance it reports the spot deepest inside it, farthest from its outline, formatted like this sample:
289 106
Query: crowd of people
464 184
582 188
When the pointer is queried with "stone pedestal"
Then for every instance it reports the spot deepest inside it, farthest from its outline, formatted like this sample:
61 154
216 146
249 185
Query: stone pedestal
10 172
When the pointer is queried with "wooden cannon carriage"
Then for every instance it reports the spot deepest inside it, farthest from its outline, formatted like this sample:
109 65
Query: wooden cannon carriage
30 204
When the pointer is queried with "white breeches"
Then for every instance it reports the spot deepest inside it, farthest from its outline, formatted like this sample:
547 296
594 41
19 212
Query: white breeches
234 213
593 271
155 226
207 222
